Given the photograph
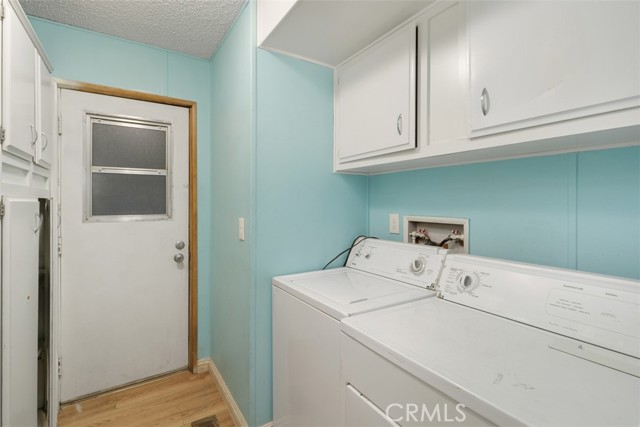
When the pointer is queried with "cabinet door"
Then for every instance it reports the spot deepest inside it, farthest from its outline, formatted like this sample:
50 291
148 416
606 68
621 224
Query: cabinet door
19 85
20 227
537 62
375 99
46 122
443 75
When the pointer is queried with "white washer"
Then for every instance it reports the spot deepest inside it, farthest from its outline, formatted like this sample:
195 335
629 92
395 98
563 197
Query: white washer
515 344
308 307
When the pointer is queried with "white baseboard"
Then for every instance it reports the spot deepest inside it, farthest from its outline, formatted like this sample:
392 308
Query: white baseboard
207 365
268 424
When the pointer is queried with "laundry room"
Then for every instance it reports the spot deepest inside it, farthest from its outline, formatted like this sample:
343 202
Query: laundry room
285 143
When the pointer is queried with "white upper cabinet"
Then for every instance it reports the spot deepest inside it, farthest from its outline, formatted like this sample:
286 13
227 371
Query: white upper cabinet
329 32
28 108
19 90
440 94
540 62
375 99
503 79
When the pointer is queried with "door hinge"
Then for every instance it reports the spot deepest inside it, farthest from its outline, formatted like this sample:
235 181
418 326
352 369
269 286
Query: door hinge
59 367
2 209
59 246
3 134
59 125
1 11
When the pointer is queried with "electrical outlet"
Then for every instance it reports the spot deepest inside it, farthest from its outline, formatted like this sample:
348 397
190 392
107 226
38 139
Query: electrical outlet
454 232
394 223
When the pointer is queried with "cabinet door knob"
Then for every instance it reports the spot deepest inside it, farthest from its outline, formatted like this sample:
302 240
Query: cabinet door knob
399 124
485 103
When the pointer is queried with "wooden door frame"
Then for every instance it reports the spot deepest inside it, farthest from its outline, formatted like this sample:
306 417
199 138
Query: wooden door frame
193 192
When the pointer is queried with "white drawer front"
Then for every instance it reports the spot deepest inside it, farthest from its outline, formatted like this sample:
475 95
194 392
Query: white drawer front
403 398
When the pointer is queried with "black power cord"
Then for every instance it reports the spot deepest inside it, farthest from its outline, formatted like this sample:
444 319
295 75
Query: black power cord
356 241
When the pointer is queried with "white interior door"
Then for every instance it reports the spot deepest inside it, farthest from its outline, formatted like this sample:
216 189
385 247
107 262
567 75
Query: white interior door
125 204
20 238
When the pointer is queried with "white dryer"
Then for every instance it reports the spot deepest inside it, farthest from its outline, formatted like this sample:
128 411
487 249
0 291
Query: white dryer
504 344
308 308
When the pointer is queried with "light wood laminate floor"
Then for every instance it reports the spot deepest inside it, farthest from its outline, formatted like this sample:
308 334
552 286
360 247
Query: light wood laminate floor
175 400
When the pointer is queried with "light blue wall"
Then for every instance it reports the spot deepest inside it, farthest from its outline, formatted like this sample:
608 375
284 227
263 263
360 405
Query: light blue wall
608 208
305 213
572 211
95 58
272 162
232 162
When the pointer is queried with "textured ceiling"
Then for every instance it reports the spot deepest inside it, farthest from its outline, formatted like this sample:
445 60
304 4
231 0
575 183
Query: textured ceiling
193 27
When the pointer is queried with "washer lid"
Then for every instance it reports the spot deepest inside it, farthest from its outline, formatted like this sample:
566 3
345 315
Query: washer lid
350 287
600 310
343 292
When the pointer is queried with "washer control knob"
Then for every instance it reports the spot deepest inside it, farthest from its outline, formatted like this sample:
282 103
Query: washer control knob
418 265
467 282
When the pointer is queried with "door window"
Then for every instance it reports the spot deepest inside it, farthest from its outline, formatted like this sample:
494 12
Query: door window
128 169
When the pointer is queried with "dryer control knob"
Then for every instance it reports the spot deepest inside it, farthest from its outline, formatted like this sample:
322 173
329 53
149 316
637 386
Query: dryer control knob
467 282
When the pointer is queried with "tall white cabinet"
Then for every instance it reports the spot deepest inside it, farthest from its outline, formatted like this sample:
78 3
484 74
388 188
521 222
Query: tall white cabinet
21 224
28 138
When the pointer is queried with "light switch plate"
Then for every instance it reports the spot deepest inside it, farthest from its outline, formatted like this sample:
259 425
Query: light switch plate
241 228
394 223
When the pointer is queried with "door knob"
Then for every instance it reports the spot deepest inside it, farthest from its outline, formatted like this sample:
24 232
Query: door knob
179 245
178 258
485 102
